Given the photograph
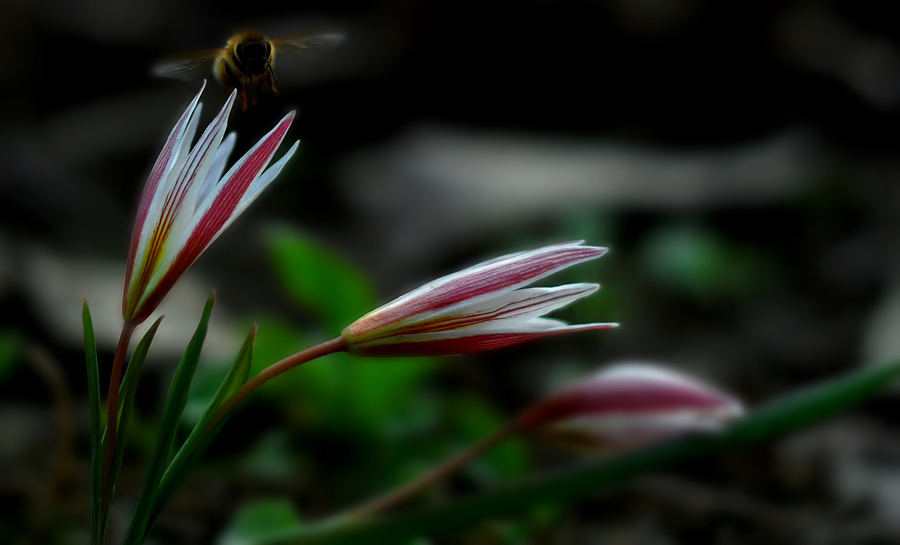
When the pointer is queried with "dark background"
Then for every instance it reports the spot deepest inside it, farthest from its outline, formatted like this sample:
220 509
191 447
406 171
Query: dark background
739 159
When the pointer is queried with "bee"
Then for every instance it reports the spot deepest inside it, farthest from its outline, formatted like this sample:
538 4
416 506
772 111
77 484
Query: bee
247 62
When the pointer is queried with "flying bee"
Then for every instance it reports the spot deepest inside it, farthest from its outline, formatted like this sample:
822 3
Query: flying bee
247 62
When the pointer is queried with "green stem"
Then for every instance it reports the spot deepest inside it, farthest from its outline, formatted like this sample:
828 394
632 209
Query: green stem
112 412
410 489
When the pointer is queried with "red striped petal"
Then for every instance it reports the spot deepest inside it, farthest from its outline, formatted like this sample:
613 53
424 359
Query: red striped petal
629 405
150 188
458 341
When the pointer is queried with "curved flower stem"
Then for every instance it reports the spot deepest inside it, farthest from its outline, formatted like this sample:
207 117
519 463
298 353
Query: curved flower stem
272 371
443 470
112 417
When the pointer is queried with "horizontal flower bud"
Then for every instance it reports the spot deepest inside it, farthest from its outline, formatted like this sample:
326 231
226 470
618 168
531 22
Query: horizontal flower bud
478 308
626 406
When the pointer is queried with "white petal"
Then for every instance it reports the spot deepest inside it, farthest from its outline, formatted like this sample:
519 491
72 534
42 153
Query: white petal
521 305
177 165
256 187
165 185
511 327
217 168
504 267
626 430
187 186
253 191
234 168
266 178
195 171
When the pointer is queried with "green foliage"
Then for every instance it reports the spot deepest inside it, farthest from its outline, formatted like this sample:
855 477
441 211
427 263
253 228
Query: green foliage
93 381
175 402
318 280
207 380
205 430
472 420
373 406
260 520
354 395
705 266
384 408
127 393
12 347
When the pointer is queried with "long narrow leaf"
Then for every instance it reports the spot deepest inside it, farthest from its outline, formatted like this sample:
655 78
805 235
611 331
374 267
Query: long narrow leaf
203 433
777 418
127 392
175 402
93 380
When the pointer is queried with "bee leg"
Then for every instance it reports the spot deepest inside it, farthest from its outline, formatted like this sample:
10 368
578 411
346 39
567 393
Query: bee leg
244 99
271 83
270 75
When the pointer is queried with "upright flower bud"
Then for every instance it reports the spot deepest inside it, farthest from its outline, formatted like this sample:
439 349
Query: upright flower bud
187 202
627 406
478 308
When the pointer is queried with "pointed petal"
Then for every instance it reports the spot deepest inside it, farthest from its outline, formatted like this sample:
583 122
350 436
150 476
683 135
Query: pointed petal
181 202
170 154
522 304
507 311
217 168
461 341
215 214
259 184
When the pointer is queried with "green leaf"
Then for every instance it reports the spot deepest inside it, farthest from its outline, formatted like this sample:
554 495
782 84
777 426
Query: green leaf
12 346
175 401
93 381
318 280
349 394
260 520
369 393
777 418
203 432
128 391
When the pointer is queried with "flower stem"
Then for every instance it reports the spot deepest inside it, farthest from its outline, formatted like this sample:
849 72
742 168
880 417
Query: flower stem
410 489
112 418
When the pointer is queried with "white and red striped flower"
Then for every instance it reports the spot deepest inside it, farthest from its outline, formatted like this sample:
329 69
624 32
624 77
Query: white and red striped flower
478 308
187 202
626 406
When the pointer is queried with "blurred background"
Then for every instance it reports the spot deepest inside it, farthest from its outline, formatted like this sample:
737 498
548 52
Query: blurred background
738 158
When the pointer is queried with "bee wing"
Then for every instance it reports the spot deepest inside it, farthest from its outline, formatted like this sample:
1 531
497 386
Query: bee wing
308 43
186 66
